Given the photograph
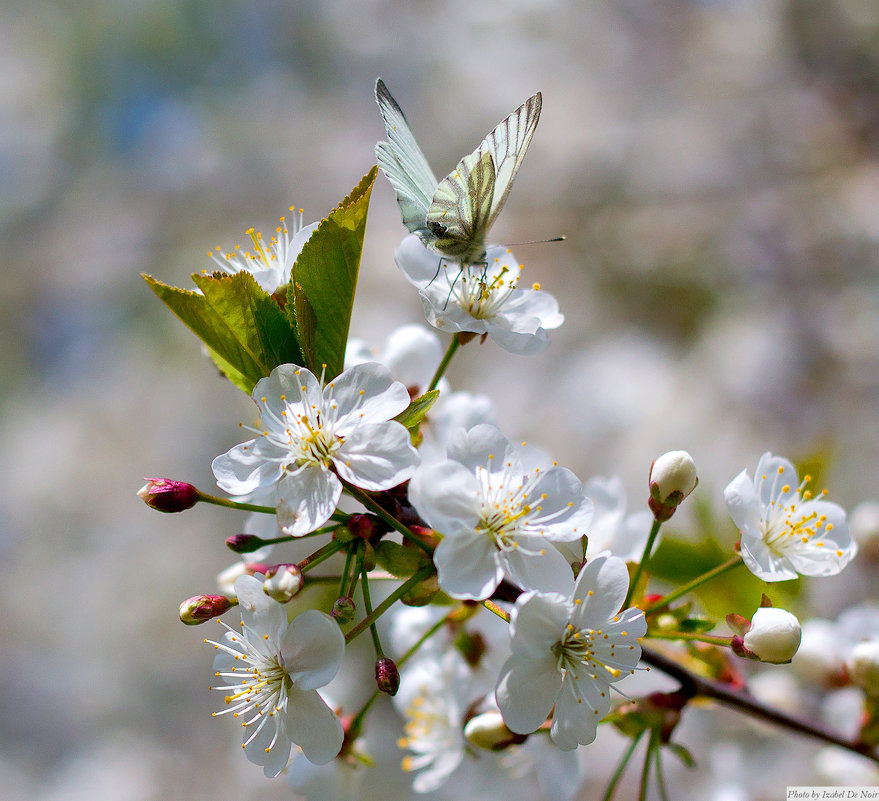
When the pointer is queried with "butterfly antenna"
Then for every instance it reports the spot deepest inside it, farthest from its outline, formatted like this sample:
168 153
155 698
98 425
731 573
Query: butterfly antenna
535 242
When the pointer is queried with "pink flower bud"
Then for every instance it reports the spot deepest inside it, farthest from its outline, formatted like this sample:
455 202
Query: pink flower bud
244 543
167 495
387 677
200 608
672 478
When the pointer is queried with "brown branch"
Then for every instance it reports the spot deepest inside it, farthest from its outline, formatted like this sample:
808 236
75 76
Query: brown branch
694 685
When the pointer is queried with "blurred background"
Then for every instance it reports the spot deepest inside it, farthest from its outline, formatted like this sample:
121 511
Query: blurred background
713 165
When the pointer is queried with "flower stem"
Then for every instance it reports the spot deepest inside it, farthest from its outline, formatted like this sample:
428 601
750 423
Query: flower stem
645 774
660 776
367 603
694 685
662 603
648 547
491 606
392 521
618 773
388 602
444 364
689 635
230 504
320 555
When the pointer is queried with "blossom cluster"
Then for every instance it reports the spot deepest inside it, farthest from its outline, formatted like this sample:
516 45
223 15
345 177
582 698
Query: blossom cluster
507 601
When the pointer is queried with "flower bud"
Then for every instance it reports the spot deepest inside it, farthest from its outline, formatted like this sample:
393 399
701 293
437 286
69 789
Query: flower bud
244 543
200 608
387 677
774 635
282 582
672 478
343 610
167 495
488 731
367 527
863 666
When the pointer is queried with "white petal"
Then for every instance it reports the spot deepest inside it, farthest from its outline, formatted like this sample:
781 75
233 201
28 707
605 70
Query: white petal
742 503
261 615
413 353
445 495
522 344
295 384
526 691
762 562
579 709
312 647
377 456
312 725
306 499
247 467
772 474
537 624
467 567
547 570
416 262
366 393
565 512
601 589
476 447
262 751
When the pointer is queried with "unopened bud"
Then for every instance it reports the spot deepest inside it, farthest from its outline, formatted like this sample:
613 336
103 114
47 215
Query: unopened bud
774 635
387 677
167 495
244 543
672 478
367 527
863 666
200 608
343 610
488 731
282 582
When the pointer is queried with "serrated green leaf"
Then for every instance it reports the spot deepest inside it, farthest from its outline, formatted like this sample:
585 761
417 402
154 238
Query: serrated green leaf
696 626
326 273
417 410
245 330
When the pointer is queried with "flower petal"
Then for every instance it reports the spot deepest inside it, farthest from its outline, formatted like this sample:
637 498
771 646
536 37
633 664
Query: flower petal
537 624
445 495
600 589
365 393
270 747
526 691
467 567
248 467
264 619
537 565
312 725
377 456
580 706
312 648
306 499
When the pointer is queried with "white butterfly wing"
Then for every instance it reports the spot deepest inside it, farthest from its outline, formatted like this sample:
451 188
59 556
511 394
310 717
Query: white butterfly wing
405 166
468 200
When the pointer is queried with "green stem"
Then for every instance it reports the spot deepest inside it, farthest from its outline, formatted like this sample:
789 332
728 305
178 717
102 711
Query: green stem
317 533
367 606
230 504
663 602
444 364
491 606
645 774
648 547
321 555
392 521
660 776
618 773
346 571
388 602
689 635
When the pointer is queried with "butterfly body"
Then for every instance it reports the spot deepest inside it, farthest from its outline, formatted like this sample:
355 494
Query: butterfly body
452 216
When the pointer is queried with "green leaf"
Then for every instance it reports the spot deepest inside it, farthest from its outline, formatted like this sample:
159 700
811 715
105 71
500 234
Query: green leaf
246 332
417 410
326 274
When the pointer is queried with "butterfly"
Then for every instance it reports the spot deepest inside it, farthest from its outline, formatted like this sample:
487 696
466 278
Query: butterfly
452 216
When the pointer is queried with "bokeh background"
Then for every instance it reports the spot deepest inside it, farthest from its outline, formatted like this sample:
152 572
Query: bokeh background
713 165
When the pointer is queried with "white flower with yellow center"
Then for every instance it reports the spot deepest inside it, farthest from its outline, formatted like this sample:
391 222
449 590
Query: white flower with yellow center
482 298
312 435
271 672
495 519
269 262
566 653
785 530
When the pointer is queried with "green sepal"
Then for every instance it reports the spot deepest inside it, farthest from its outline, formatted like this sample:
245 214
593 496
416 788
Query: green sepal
246 332
682 753
323 281
399 560
417 410
423 593
694 625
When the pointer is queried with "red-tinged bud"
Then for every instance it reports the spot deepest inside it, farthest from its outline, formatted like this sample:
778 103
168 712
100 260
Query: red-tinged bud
343 610
367 527
672 478
387 677
740 625
427 535
244 543
167 495
200 608
282 582
651 598
737 646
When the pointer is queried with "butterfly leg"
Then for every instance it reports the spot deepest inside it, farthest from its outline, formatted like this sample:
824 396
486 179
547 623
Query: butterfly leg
443 260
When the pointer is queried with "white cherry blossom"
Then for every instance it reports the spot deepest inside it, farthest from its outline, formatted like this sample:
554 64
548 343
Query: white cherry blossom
271 672
482 298
312 435
785 530
495 519
566 653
